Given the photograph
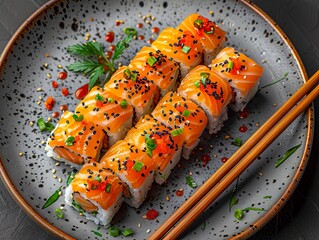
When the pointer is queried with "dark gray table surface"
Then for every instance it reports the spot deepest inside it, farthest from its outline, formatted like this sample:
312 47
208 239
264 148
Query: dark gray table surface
299 219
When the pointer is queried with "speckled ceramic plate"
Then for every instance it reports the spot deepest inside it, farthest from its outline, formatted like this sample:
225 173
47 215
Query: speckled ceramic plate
43 38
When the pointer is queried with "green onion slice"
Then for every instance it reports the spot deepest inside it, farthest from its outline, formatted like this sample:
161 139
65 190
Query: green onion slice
133 77
78 118
127 74
151 143
108 187
198 23
186 49
127 232
98 178
54 197
237 142
239 214
130 31
191 182
110 100
58 213
151 60
138 166
186 113
197 83
114 231
44 126
177 132
230 65
69 141
98 97
123 104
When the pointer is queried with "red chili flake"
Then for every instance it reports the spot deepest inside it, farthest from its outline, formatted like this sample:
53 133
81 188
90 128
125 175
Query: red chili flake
180 108
82 91
141 37
49 103
155 30
63 75
205 159
64 107
77 138
129 164
99 104
55 114
152 214
112 47
244 113
93 184
65 91
243 128
139 25
109 37
224 159
55 84
117 23
102 186
180 192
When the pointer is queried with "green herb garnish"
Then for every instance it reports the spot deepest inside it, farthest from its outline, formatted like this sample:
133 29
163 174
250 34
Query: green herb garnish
127 232
108 187
149 152
54 197
70 141
197 83
134 77
151 61
186 49
186 113
286 155
276 81
97 233
98 97
138 166
198 23
123 104
177 132
58 213
239 213
230 65
233 198
130 31
127 74
103 65
267 197
110 100
114 231
44 126
70 178
191 182
151 143
237 142
98 178
78 118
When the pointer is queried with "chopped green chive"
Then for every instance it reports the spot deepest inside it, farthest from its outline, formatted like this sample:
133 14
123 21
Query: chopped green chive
197 83
149 152
286 155
78 118
177 132
98 178
151 143
198 23
138 166
55 196
98 97
44 126
151 60
127 74
123 104
186 49
267 197
69 141
108 187
133 77
58 213
204 75
230 65
110 100
239 214
127 232
97 233
114 231
237 142
130 31
191 182
186 113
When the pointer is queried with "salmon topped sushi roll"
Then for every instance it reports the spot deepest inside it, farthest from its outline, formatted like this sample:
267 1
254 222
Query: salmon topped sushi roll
157 67
134 167
210 91
137 91
112 113
75 140
96 192
180 45
210 35
182 117
241 72
156 140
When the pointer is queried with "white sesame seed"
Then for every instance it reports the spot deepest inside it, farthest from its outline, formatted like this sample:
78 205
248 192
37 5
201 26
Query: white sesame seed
21 154
57 164
55 177
40 97
61 207
81 214
148 22
53 171
153 18
49 75
39 89
139 225
190 174
60 180
167 198
42 142
60 193
49 119
38 102
31 123
86 39
88 35
59 66
46 65
47 55
148 231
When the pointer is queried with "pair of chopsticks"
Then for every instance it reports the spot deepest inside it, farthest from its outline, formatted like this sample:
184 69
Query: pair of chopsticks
238 162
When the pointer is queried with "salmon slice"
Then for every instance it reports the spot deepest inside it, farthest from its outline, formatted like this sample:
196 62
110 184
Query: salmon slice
85 204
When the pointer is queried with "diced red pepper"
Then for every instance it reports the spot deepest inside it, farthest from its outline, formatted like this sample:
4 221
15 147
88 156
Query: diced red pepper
152 214
99 104
49 103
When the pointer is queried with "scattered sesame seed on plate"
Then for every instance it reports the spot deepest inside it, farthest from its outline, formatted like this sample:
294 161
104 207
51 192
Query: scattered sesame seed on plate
20 154
39 89
49 75
148 230
53 171
60 66
31 123
57 164
60 180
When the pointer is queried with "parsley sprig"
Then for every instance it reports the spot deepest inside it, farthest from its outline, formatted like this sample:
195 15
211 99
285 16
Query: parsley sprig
103 65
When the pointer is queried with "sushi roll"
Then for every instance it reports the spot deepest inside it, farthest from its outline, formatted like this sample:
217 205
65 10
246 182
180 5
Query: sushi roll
183 117
137 91
157 67
96 192
182 46
210 35
75 140
241 72
156 140
134 167
210 91
103 107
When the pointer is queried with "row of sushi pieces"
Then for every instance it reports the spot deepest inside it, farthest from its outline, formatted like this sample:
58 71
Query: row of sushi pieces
151 148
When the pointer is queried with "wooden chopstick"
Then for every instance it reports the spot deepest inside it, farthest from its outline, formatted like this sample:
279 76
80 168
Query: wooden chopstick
231 162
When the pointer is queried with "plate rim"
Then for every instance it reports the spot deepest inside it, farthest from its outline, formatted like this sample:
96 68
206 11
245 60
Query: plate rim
261 222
